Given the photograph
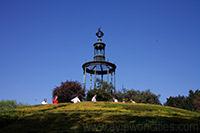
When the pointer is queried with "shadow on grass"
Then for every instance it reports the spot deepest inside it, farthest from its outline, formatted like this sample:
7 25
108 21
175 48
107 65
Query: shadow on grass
87 122
46 122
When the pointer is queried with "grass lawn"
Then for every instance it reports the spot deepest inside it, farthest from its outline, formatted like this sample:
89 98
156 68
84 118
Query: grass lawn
98 117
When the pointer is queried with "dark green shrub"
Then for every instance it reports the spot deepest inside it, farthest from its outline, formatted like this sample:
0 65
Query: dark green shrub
68 90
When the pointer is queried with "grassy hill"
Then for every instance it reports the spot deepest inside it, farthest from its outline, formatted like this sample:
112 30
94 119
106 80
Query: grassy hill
100 116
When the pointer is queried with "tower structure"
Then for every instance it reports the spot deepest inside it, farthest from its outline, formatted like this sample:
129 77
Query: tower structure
99 68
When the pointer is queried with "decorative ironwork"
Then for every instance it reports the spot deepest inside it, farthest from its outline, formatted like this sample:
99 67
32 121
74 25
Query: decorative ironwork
99 66
99 33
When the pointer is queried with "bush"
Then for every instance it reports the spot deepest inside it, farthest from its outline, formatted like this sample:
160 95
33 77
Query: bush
104 91
149 97
178 102
7 104
119 95
68 90
140 96
194 98
190 102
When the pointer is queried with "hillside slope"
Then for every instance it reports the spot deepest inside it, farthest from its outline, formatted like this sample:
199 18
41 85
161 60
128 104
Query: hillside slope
100 116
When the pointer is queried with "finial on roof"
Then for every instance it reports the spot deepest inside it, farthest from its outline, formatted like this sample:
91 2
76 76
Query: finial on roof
99 33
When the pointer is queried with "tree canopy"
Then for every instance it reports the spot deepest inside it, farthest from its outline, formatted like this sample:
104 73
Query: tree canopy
190 102
68 90
103 90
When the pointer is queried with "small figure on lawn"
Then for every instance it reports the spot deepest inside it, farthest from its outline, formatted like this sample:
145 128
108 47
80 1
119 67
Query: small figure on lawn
55 100
76 100
123 101
44 101
132 101
115 100
94 98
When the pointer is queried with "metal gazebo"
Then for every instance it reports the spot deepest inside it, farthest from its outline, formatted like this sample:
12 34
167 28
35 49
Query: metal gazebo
99 68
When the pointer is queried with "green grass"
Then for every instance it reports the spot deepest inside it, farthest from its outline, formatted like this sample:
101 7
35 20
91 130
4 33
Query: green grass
98 117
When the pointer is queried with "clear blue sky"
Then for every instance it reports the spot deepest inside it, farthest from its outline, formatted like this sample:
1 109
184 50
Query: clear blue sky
155 44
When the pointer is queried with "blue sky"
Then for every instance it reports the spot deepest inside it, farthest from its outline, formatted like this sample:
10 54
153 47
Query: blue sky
154 43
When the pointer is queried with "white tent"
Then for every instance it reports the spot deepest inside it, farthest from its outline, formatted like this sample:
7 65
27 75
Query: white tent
75 100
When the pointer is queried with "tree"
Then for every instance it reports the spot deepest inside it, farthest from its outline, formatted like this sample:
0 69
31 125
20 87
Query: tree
178 102
68 90
149 97
103 90
119 95
194 97
190 102
131 95
141 96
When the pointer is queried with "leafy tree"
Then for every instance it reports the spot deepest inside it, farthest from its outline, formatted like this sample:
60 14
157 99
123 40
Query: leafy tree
119 95
103 90
141 96
68 90
179 102
190 102
194 97
149 97
131 95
